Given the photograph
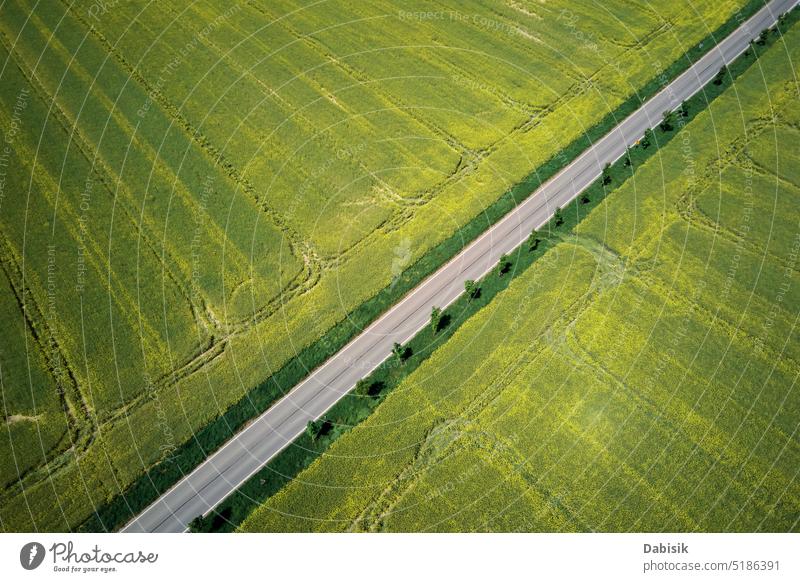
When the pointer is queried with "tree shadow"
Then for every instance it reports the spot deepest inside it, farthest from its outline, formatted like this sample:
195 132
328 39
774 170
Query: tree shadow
325 429
444 321
221 518
376 388
211 523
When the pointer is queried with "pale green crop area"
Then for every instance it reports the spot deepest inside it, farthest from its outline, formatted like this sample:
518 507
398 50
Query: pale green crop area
642 376
194 192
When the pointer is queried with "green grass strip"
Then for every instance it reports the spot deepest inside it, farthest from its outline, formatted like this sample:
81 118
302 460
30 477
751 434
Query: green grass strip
353 409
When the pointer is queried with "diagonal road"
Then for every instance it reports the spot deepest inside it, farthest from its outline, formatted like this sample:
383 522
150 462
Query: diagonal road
249 450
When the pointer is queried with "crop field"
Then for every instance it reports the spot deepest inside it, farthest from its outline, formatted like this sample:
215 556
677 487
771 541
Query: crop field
190 192
642 375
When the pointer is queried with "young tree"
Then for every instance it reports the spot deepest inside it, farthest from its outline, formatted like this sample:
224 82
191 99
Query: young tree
471 289
666 121
646 139
683 110
314 428
436 319
200 525
503 265
585 198
720 76
398 351
627 162
363 387
606 174
558 217
533 240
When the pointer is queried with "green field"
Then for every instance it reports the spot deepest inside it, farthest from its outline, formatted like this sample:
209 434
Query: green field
640 376
189 194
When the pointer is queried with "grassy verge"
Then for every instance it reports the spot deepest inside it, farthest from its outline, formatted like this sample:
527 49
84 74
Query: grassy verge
352 409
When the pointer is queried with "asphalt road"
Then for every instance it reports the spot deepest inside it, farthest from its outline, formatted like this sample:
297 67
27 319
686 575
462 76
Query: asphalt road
248 451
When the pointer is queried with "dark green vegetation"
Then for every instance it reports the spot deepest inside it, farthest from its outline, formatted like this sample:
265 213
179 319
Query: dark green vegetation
640 375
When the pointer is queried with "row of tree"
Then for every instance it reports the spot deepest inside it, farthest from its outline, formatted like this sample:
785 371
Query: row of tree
472 288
